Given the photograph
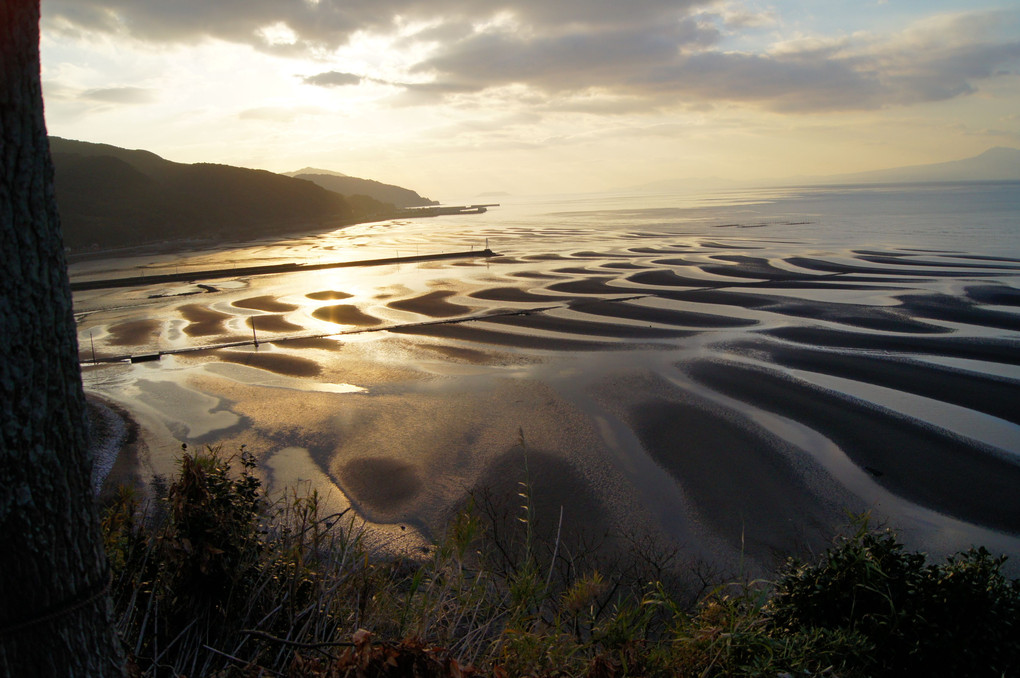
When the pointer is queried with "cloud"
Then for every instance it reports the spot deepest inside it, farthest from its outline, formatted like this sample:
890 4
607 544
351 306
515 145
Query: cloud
332 79
120 95
679 64
573 61
657 53
328 24
735 16
280 113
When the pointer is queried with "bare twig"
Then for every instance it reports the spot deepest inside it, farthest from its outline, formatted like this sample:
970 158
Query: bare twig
239 661
293 643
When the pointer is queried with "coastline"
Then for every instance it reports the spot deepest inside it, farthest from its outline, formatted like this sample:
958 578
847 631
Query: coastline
113 436
876 378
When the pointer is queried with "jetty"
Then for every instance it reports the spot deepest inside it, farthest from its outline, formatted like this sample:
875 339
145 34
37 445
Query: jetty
442 210
270 269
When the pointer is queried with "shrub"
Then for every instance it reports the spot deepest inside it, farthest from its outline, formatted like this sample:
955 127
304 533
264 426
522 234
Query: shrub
216 574
211 543
957 618
217 580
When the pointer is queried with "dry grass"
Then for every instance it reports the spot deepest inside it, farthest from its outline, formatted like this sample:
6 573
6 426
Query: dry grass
217 580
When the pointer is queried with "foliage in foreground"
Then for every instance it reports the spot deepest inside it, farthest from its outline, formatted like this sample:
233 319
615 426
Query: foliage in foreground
218 580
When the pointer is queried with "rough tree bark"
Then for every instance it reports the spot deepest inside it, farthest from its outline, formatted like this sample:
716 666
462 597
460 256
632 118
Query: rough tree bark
55 618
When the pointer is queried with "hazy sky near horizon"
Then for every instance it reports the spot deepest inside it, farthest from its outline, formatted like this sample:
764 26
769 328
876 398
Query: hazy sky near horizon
458 97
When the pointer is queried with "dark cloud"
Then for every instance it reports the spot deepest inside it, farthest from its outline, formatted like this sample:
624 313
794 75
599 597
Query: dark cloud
662 52
676 65
330 23
575 61
332 79
951 72
779 83
120 95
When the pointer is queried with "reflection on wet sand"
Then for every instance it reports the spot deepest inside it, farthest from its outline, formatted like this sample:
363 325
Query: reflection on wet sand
328 295
736 445
267 303
738 480
133 332
912 459
203 321
272 323
382 484
345 314
280 363
434 305
321 343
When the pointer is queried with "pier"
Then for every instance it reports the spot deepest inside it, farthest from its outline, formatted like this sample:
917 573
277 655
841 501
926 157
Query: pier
246 271
443 210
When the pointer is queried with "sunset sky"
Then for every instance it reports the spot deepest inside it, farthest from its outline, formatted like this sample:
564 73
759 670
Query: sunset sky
458 97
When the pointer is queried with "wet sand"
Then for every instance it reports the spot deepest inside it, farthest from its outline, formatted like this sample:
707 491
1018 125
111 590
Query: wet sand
552 323
272 323
479 333
737 443
433 305
994 396
345 314
1006 351
114 445
555 489
267 303
662 316
381 484
921 463
203 321
134 333
515 295
290 365
736 479
328 295
320 343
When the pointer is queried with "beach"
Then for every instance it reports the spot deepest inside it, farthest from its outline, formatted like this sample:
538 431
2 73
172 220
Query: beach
728 382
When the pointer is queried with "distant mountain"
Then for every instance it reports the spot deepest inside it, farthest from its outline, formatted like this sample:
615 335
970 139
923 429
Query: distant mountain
345 185
114 197
313 170
995 164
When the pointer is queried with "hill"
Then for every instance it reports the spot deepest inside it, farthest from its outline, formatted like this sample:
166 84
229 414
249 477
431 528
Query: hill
114 197
343 184
995 164
313 170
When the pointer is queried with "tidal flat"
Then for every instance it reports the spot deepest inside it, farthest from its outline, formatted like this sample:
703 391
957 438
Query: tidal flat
649 366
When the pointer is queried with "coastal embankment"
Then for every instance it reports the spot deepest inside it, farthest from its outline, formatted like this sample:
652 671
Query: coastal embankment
246 271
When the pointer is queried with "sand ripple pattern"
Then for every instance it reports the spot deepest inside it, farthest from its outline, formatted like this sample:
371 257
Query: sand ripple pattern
905 361
755 387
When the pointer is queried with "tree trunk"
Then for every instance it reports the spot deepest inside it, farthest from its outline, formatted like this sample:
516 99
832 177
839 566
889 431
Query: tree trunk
55 618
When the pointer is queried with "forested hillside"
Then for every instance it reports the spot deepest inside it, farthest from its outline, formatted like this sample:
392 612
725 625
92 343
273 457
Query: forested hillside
113 197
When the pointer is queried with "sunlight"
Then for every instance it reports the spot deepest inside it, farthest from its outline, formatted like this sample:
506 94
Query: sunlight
278 33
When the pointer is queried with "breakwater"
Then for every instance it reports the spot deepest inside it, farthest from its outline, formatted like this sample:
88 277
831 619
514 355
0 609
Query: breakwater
246 271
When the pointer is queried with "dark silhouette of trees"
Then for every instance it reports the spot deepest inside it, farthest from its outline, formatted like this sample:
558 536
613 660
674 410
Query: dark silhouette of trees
55 618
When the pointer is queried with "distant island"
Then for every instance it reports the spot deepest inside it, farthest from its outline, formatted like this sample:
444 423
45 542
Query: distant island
995 164
110 197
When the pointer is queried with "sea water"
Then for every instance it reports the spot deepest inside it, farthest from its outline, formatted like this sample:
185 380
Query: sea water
601 309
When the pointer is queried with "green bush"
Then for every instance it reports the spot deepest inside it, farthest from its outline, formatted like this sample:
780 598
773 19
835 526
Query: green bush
211 542
214 565
215 579
956 618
